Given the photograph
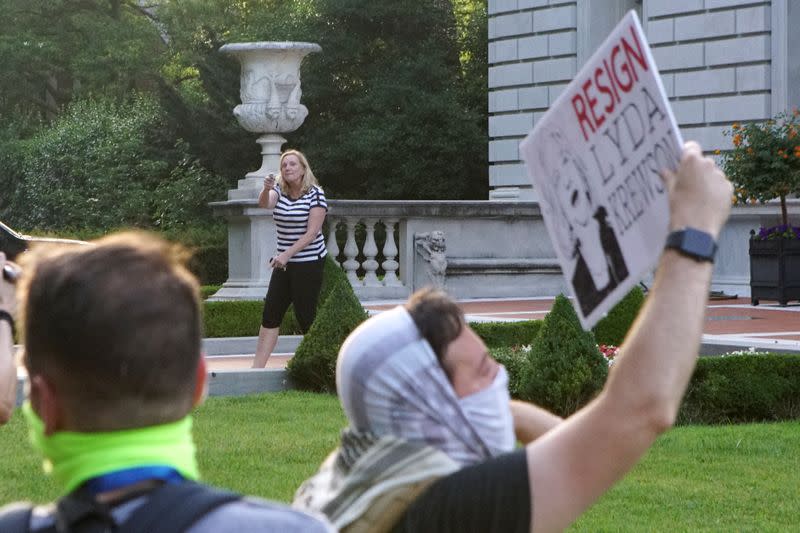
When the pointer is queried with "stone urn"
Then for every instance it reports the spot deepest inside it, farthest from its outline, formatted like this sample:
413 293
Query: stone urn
270 93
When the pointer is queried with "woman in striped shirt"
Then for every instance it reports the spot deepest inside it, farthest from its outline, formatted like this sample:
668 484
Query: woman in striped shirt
299 209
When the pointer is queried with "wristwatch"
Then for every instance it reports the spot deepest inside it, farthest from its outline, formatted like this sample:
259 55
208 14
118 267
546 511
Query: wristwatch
693 243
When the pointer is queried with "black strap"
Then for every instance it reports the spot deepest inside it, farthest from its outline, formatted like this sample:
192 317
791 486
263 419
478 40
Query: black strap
79 511
175 507
16 518
172 508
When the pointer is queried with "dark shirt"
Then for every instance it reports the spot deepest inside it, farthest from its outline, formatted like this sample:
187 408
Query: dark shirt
493 496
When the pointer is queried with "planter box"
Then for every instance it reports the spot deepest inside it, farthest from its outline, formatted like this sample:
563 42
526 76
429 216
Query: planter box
775 270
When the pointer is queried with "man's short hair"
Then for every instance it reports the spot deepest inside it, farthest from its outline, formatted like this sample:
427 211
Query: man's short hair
437 317
115 327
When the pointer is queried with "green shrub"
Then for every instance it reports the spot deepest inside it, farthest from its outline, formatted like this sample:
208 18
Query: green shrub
210 264
743 388
243 318
240 318
181 198
207 291
198 235
566 369
497 334
313 366
615 325
106 164
516 362
332 276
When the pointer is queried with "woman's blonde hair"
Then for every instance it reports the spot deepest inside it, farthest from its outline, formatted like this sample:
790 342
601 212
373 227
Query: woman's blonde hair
309 179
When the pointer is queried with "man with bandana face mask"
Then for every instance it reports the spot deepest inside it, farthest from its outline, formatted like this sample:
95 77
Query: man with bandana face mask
423 395
429 445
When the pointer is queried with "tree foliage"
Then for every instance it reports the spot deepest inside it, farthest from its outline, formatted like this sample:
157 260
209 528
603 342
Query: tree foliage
397 103
104 164
765 160
59 50
388 116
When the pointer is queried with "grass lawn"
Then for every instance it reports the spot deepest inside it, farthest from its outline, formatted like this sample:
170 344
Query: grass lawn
723 478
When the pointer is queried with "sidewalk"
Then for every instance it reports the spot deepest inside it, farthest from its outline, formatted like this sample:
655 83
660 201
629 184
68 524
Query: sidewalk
733 323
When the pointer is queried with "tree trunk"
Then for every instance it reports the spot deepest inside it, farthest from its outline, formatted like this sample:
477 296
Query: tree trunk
784 215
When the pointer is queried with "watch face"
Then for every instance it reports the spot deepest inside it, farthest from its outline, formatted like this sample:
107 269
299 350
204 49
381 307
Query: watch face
693 243
698 243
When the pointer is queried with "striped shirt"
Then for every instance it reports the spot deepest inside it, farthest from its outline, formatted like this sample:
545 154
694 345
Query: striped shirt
291 220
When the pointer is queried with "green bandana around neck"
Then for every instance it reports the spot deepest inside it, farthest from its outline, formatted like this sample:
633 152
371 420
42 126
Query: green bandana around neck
73 458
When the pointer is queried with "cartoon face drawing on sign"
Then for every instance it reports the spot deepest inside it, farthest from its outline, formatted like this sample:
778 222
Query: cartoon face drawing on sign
588 237
574 195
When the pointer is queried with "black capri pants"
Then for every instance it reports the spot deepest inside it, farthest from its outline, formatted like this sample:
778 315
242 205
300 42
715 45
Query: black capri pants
299 284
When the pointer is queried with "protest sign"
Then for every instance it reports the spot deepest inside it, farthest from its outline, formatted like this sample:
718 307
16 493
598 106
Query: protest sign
595 159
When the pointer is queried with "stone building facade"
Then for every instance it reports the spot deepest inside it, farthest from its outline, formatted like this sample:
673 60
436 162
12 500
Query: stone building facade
721 61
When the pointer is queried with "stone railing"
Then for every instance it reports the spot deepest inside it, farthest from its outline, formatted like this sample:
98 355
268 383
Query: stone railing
489 249
389 284
492 249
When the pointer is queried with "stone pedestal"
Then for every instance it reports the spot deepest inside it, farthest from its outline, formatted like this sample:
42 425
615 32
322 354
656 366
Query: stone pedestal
251 243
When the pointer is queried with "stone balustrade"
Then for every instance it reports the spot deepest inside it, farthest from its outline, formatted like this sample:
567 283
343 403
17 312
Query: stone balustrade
493 249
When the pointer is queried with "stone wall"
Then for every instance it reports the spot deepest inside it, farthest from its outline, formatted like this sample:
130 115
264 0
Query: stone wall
721 61
532 56
714 58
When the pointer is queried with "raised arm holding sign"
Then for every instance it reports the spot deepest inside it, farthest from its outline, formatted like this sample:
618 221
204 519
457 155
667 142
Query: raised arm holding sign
430 439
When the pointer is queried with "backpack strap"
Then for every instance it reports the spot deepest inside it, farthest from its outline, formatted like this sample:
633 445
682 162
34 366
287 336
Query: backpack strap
16 518
172 508
175 507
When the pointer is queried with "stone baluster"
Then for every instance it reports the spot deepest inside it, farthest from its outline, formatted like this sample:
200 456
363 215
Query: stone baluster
332 245
350 252
370 251
390 265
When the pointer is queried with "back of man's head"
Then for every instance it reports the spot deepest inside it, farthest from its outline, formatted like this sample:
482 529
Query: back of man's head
115 328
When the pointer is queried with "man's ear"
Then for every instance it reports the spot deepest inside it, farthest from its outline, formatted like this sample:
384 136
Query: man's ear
201 382
46 402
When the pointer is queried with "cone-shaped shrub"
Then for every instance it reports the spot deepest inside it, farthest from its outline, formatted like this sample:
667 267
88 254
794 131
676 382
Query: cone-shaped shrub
615 325
332 275
313 366
566 369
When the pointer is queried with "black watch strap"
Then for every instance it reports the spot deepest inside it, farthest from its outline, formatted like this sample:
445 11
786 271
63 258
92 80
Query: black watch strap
5 315
693 243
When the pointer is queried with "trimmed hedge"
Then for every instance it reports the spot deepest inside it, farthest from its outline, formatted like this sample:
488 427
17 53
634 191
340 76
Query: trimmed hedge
240 318
734 389
743 389
565 367
313 366
497 334
207 291
615 325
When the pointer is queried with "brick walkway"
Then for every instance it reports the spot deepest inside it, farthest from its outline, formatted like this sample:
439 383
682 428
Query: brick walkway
727 321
